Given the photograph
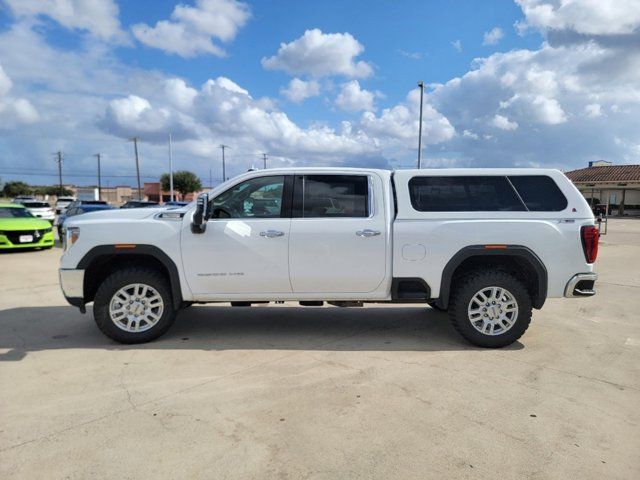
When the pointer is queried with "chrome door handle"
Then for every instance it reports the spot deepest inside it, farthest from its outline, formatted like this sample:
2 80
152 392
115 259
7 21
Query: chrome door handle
367 233
272 233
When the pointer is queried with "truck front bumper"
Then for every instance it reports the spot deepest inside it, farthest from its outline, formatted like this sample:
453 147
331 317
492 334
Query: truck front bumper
581 285
72 284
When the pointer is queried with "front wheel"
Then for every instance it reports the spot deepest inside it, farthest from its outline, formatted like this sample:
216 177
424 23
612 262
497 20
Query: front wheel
490 308
134 305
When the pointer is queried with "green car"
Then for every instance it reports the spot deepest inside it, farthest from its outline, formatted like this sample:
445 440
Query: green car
20 229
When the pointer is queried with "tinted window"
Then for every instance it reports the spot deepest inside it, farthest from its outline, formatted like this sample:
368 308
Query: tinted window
256 198
539 193
11 212
36 204
463 194
335 196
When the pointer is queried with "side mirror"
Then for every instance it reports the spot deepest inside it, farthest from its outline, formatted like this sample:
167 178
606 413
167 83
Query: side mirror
201 215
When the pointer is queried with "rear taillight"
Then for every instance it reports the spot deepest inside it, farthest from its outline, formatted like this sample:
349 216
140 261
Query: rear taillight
590 236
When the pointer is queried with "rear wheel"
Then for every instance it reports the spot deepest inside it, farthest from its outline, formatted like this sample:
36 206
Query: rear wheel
134 305
490 308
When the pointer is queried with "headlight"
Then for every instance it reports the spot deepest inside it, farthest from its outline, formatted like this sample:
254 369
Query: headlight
71 237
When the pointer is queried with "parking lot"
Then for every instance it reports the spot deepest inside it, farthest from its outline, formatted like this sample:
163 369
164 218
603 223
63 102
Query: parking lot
321 393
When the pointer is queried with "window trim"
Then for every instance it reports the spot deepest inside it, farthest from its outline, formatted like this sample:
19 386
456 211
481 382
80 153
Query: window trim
298 195
287 198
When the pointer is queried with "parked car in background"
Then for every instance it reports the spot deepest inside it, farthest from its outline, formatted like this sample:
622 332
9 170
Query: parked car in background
23 198
78 203
79 210
175 203
62 203
139 204
40 210
20 229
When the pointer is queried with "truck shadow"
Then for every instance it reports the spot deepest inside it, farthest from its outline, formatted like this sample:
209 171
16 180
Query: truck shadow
411 328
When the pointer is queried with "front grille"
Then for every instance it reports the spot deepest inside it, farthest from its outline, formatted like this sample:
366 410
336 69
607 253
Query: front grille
14 235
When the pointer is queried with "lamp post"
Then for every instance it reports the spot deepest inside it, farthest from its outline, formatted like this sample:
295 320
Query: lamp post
421 85
170 171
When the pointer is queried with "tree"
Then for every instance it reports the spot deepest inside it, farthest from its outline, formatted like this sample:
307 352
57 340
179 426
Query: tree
184 182
13 189
53 190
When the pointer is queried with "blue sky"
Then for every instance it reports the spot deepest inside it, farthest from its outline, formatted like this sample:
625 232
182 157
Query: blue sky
519 83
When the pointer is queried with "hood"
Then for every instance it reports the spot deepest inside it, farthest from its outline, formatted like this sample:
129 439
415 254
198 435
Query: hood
12 224
117 214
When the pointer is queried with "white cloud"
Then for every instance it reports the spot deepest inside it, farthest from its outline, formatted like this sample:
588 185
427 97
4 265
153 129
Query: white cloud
503 123
5 83
299 90
470 134
353 98
398 125
457 44
587 17
320 54
179 94
593 110
99 17
14 110
493 36
192 30
411 55
537 108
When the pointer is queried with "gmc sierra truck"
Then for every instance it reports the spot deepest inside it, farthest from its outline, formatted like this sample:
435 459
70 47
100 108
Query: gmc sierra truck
488 245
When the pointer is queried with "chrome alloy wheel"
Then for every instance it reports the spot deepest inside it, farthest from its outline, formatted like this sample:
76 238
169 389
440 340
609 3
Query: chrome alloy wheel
136 307
493 310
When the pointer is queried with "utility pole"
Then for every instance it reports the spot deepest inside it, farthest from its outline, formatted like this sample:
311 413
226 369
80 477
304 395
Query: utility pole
170 170
97 155
224 174
59 161
421 85
264 160
210 180
135 147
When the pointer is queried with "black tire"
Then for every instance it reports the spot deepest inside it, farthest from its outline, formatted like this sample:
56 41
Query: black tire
120 279
465 290
435 306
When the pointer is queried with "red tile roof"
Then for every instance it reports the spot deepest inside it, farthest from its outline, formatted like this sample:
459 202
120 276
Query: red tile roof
610 173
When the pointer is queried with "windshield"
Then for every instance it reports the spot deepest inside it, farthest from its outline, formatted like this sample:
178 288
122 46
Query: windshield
9 212
36 204
93 208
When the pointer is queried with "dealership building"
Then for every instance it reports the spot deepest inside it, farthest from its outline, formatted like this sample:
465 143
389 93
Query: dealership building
617 186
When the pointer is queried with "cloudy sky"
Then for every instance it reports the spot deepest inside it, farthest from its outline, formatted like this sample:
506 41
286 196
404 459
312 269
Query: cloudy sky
552 83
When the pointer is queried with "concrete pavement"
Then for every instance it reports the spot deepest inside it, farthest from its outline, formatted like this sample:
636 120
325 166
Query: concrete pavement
321 393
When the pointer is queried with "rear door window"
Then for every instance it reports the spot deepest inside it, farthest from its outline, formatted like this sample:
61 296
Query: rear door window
322 196
539 193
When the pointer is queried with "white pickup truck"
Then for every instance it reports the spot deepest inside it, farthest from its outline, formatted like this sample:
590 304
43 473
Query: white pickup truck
488 245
